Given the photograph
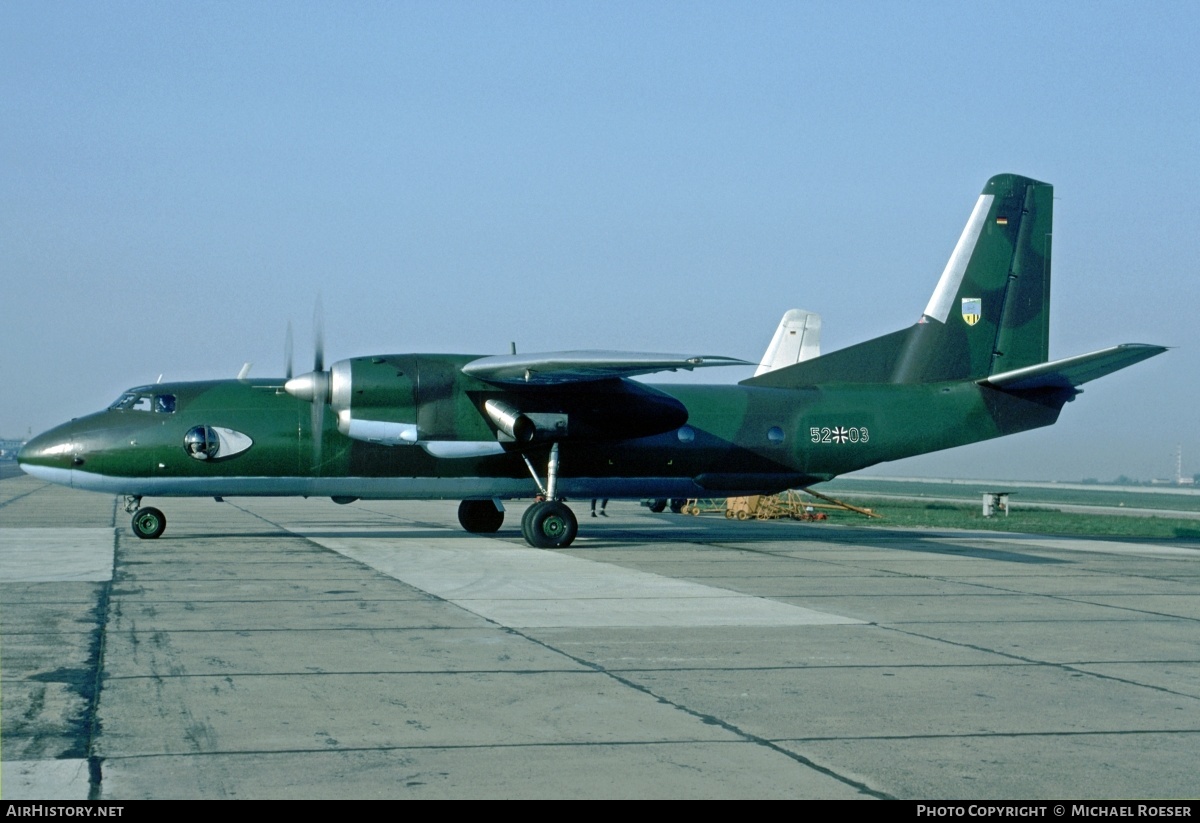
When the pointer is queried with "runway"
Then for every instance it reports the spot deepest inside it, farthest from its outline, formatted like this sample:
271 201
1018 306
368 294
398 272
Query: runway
296 648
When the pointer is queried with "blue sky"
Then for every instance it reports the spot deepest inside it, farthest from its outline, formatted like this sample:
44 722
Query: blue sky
180 180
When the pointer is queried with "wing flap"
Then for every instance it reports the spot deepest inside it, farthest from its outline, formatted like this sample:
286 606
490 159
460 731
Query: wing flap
557 368
1072 371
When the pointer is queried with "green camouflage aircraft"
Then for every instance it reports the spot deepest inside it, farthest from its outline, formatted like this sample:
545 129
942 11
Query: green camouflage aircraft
483 429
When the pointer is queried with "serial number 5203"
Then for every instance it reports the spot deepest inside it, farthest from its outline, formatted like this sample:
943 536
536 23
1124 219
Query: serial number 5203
839 434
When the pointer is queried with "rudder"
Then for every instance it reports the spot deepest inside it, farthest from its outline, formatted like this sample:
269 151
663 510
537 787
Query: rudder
990 311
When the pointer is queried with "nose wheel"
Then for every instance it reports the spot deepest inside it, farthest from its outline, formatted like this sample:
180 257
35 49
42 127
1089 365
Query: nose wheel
148 523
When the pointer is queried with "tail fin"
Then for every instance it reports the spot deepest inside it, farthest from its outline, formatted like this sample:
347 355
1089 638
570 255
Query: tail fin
990 312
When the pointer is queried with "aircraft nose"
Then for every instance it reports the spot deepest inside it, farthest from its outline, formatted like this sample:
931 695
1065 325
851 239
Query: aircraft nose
58 448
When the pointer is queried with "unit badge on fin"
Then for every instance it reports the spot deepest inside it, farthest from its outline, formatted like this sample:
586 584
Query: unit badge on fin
972 310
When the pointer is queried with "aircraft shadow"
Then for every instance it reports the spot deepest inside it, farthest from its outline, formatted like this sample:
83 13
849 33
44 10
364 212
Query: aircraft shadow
747 533
612 535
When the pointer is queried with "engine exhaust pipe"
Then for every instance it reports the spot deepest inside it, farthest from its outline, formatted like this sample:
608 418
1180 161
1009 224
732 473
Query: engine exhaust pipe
510 420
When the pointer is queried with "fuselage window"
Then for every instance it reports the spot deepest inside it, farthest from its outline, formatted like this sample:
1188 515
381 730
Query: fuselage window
164 403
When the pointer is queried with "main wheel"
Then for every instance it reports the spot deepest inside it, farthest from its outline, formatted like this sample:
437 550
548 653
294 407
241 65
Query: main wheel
149 523
657 505
677 504
480 516
549 525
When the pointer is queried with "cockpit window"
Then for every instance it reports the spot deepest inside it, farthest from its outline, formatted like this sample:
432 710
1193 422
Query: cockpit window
125 401
137 401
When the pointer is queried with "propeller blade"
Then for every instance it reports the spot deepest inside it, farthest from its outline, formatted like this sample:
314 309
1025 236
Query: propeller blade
318 434
318 336
319 403
287 352
313 386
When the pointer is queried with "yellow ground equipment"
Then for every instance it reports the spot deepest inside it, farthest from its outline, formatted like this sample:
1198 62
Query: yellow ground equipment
788 504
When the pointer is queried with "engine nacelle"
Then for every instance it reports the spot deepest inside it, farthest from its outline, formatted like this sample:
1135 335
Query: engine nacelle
405 399
375 400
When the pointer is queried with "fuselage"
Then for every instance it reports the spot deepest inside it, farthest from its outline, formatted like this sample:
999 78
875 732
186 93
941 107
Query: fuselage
249 437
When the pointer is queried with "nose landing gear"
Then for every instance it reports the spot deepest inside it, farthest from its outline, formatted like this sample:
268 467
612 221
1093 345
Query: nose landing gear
148 522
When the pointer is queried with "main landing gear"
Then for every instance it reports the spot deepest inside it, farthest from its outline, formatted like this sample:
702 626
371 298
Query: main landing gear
148 523
548 524
480 516
660 504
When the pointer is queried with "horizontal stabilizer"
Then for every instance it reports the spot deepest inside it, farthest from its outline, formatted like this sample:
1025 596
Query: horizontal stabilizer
555 368
1072 371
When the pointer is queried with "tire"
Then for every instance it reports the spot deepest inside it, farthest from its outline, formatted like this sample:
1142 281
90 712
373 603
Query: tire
658 505
549 525
480 516
148 523
677 504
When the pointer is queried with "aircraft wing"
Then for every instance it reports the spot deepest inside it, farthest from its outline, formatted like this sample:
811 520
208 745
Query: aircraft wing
1072 371
556 368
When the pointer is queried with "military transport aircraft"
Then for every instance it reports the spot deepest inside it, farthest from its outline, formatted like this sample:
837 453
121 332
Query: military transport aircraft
565 425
